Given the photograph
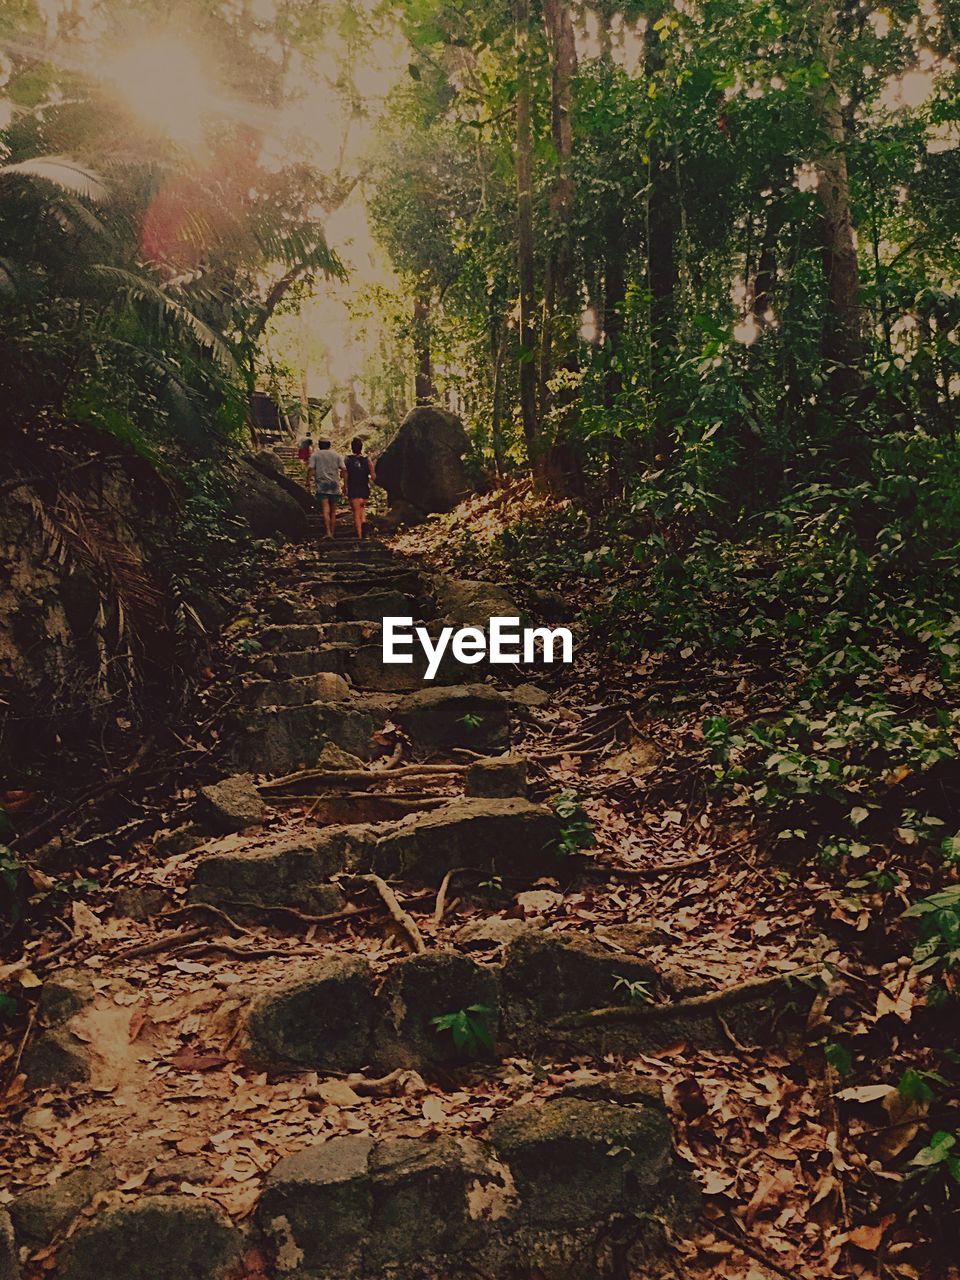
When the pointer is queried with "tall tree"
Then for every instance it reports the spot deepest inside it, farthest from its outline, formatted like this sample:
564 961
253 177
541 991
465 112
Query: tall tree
843 346
526 262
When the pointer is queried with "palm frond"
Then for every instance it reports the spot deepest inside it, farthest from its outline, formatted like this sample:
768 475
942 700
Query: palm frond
305 249
140 289
62 172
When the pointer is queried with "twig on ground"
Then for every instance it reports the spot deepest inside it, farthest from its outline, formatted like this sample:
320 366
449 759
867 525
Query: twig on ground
752 1251
406 922
31 1020
237 953
354 777
204 906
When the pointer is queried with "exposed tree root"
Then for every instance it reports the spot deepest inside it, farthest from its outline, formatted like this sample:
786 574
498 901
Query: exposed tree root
723 998
405 921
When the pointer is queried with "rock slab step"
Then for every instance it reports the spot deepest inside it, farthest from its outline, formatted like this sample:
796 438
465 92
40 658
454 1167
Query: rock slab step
541 1191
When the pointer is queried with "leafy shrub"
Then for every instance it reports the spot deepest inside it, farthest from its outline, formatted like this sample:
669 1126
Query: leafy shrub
470 1028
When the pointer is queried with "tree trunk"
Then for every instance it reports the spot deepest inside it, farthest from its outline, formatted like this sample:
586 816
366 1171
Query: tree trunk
424 390
662 230
498 348
842 336
766 277
525 253
614 299
560 294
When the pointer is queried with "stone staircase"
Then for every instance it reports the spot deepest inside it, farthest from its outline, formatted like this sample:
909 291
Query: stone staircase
352 795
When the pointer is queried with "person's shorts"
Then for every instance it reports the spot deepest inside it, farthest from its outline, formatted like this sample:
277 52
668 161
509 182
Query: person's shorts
328 489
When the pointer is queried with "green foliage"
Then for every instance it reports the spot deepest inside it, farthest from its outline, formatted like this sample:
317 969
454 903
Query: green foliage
636 990
839 1057
937 1159
471 1029
471 720
576 829
15 888
938 914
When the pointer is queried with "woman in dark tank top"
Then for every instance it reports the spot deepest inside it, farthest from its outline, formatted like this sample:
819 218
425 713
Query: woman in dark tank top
359 474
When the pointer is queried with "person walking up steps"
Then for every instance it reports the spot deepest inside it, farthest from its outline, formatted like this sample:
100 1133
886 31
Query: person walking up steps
359 474
328 471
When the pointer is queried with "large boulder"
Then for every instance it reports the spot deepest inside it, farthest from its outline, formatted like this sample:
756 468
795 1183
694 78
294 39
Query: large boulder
576 1161
423 466
352 1206
269 465
511 838
444 985
295 873
468 602
268 510
547 975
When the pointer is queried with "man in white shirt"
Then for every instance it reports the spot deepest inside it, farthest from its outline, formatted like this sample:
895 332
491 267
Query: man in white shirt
329 475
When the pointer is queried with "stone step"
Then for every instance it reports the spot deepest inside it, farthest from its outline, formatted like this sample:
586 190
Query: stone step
378 604
276 740
338 1014
475 716
281 637
542 1191
322 686
511 838
295 873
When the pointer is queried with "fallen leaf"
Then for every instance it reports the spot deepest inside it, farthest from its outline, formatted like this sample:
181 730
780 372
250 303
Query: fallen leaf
432 1109
189 1060
770 1190
337 1092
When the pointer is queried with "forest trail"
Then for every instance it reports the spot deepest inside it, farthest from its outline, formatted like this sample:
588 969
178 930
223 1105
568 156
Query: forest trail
395 978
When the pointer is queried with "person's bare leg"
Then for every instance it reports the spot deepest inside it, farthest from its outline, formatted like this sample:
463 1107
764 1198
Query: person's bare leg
332 508
327 522
357 507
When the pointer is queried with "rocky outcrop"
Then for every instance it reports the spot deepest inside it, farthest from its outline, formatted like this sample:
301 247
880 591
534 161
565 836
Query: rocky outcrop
441 1007
465 602
539 1194
423 466
270 466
